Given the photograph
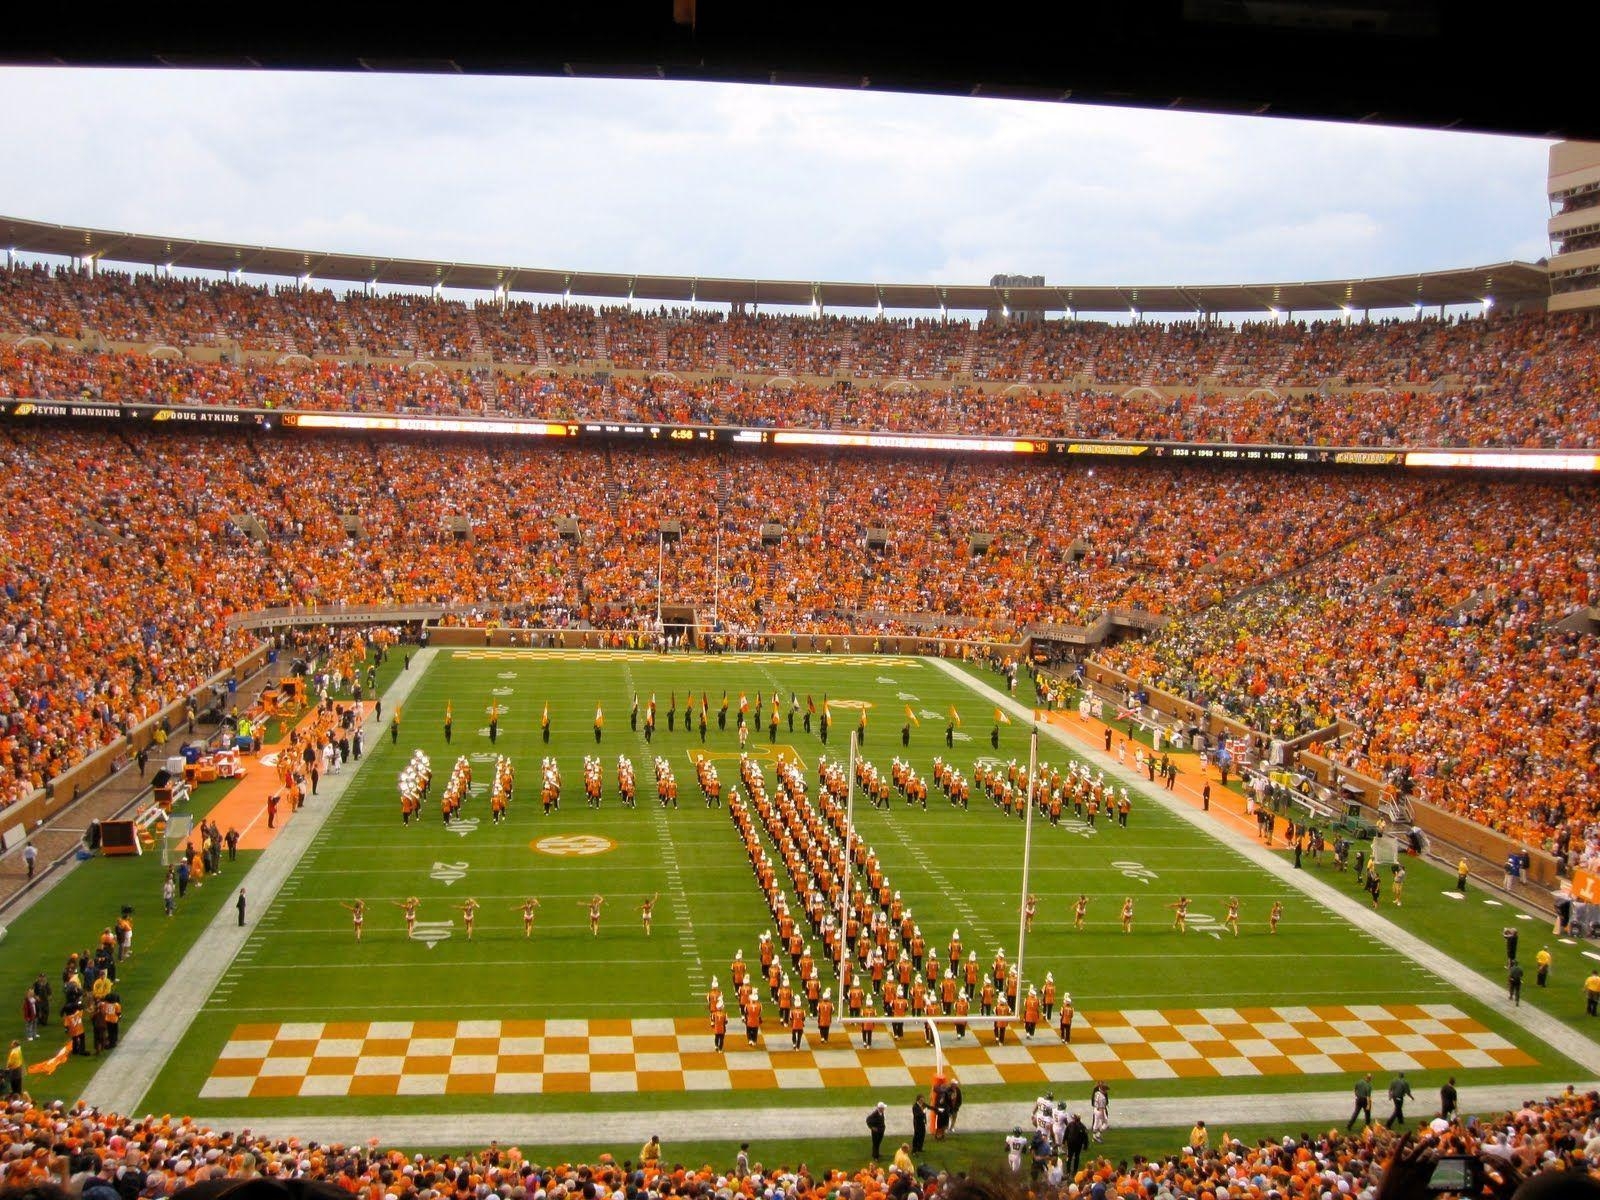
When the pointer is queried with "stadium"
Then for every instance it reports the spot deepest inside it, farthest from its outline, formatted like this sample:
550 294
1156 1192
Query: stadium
967 707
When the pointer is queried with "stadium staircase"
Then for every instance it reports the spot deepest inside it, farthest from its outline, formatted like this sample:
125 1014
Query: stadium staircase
825 494
602 339
662 343
769 570
285 509
941 515
839 415
1071 412
367 399
541 348
411 339
969 352
723 360
480 348
929 574
489 384
847 360
1222 365
575 560
274 318
1030 355
790 360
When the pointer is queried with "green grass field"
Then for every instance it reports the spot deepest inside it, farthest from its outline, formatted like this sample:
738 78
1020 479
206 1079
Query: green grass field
956 870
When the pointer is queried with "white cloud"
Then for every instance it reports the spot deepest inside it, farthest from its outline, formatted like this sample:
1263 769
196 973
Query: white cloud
683 178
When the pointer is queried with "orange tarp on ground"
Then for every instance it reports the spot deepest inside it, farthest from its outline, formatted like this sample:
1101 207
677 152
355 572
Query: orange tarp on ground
1226 806
245 807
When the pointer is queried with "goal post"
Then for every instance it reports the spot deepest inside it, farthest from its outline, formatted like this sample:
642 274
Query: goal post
175 838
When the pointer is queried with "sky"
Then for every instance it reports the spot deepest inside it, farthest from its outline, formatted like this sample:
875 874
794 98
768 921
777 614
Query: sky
702 179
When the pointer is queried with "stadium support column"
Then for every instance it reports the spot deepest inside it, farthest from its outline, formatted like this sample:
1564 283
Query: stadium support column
844 892
1027 853
661 560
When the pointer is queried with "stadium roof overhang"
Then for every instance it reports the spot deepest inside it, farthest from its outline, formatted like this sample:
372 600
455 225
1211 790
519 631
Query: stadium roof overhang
1433 64
1509 283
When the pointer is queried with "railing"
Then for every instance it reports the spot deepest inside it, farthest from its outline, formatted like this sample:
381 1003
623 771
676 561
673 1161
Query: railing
336 614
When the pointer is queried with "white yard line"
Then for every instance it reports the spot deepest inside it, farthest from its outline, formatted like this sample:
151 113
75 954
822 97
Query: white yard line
1559 1037
669 851
153 1039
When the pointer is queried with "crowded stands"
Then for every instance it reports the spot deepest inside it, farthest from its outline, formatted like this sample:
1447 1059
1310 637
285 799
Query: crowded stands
85 1150
1438 640
1284 600
1527 380
127 615
1289 605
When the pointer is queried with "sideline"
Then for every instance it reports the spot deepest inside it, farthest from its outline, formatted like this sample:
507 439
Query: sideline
121 1083
246 804
1309 1111
1564 1040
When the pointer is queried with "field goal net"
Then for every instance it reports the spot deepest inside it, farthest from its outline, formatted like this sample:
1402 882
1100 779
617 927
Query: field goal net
174 839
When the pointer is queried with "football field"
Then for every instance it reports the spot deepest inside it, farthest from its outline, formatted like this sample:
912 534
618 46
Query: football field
306 1019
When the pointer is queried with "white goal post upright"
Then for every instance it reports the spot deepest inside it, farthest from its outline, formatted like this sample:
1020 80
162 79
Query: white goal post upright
844 892
1027 854
175 837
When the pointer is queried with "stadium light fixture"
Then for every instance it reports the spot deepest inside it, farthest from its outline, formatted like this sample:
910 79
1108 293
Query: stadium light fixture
1005 310
305 280
1488 303
566 296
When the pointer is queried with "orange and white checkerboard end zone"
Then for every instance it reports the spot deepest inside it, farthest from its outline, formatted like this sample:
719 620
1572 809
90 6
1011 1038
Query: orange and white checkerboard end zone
421 1058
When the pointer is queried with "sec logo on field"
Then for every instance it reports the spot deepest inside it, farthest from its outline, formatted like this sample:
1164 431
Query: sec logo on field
572 845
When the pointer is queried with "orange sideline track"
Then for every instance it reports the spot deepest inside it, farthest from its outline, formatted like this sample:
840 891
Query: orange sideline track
245 807
1227 807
